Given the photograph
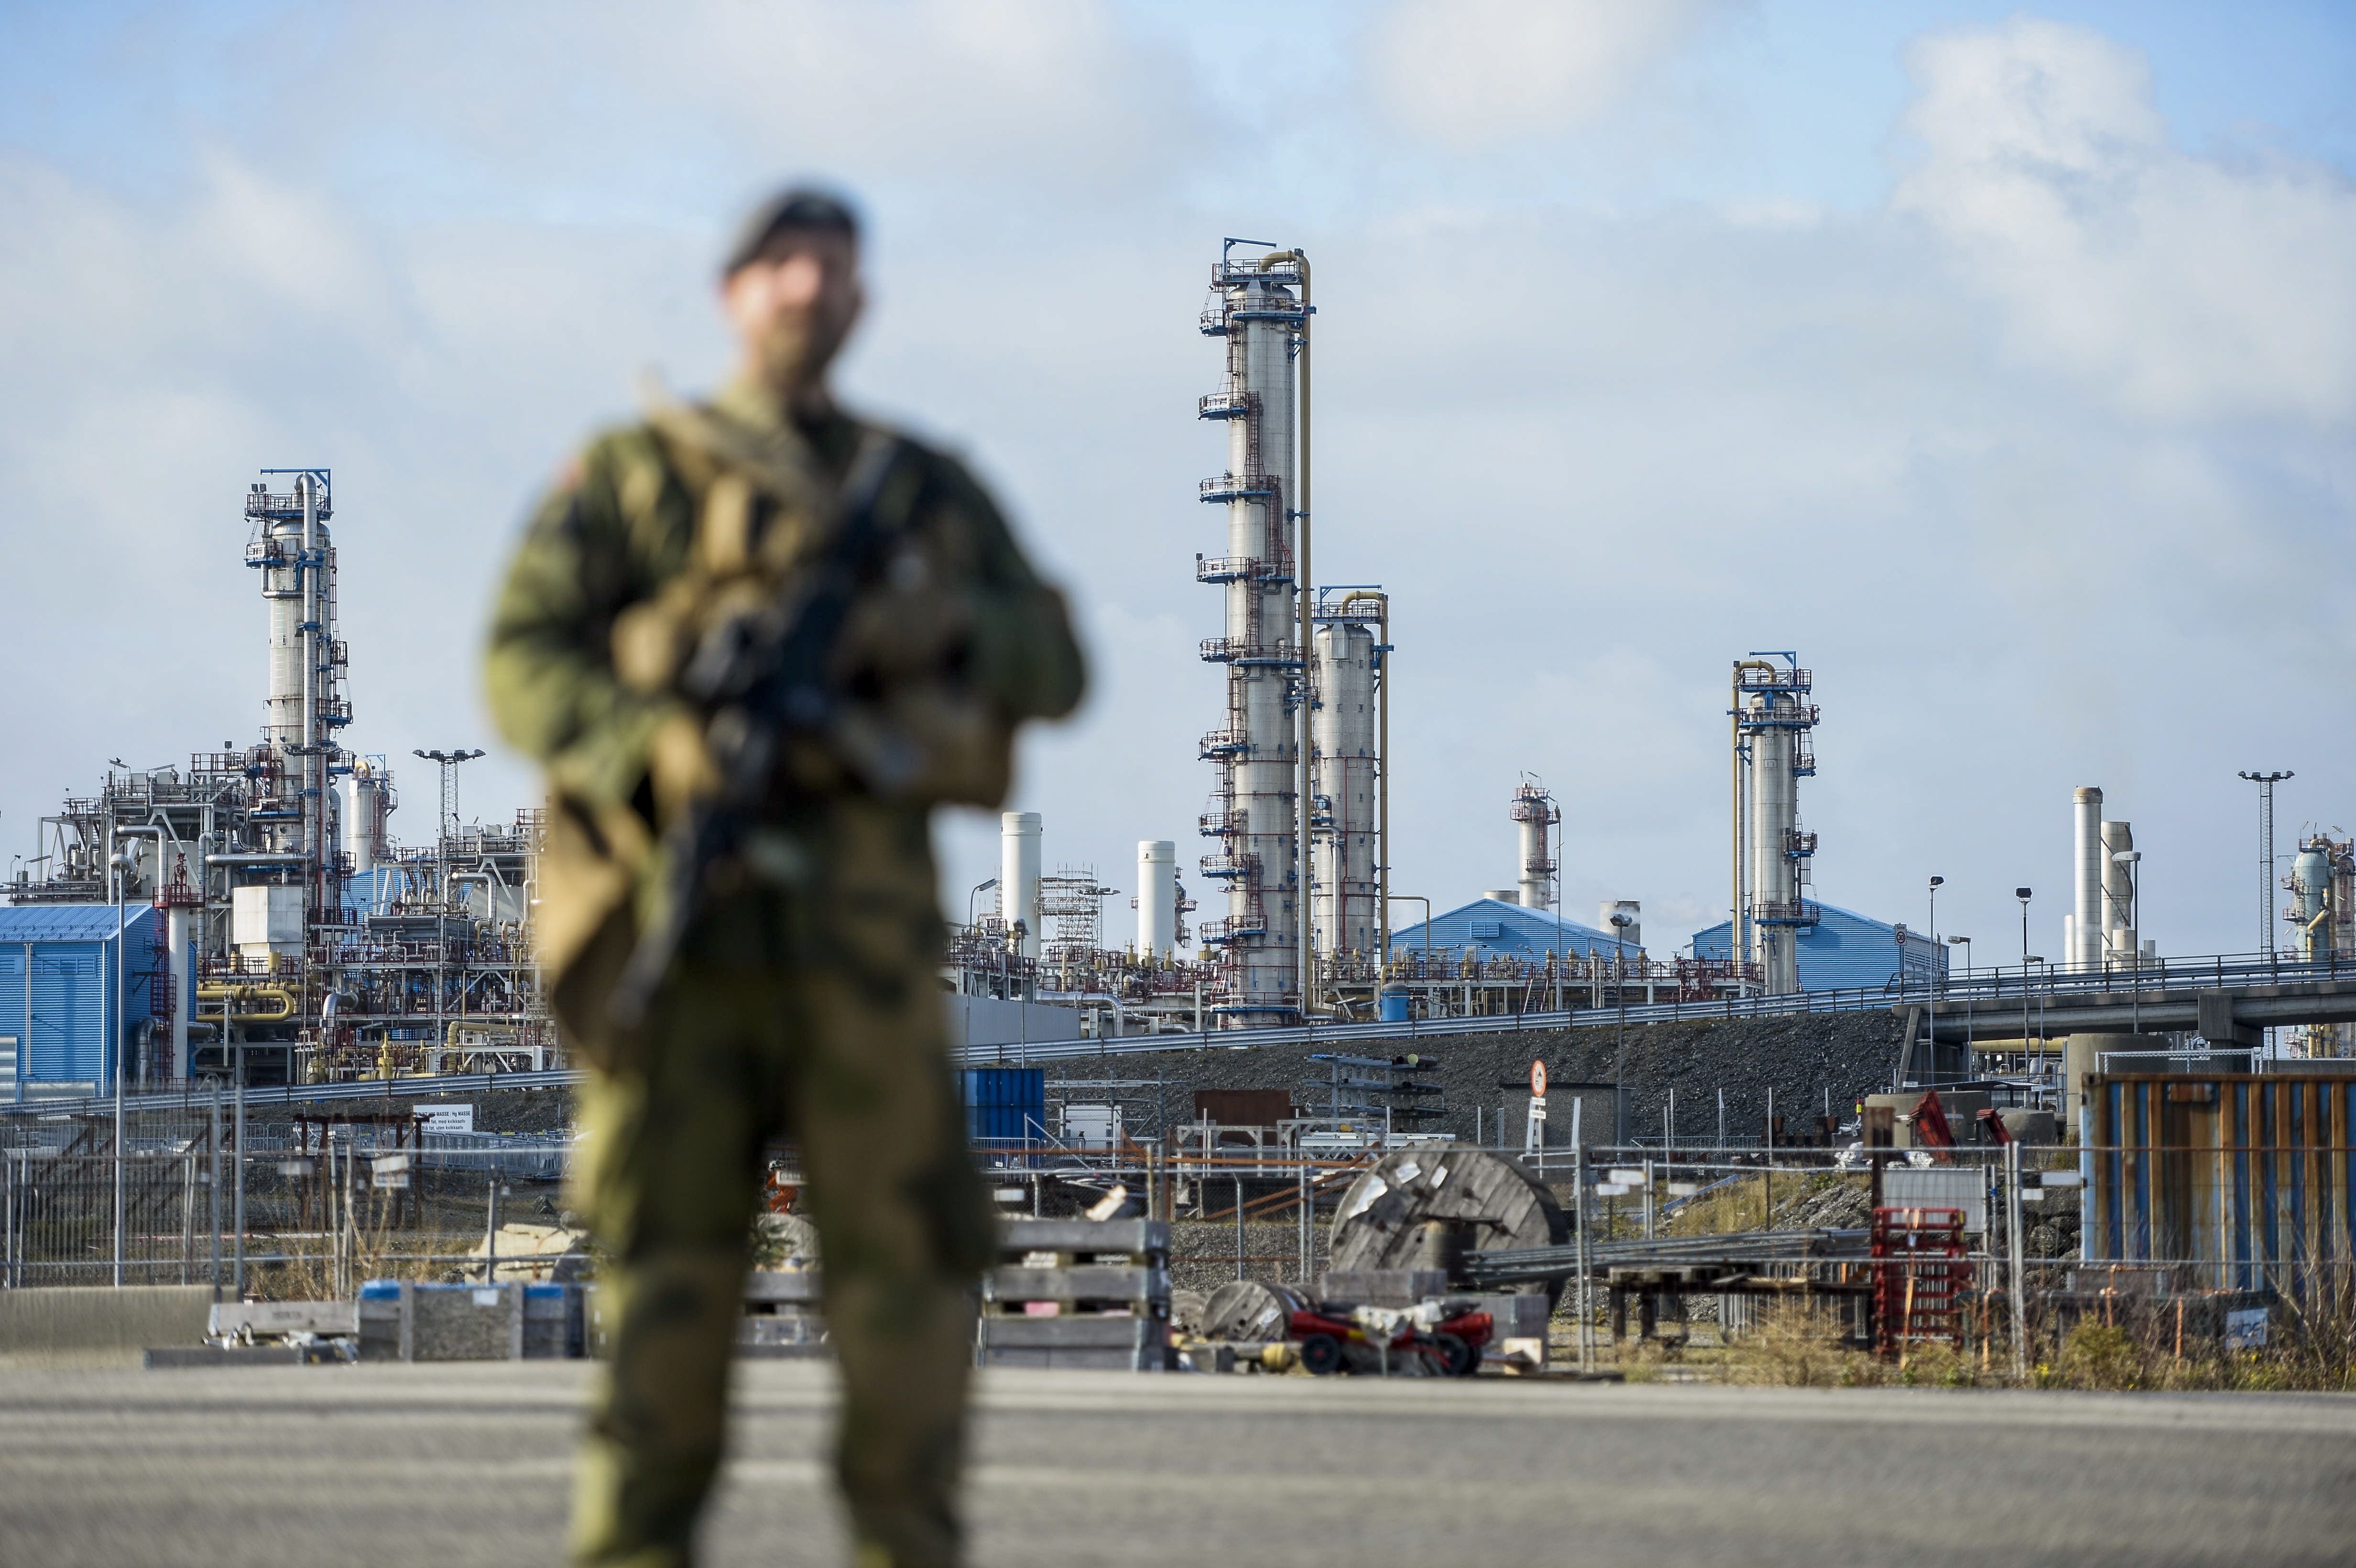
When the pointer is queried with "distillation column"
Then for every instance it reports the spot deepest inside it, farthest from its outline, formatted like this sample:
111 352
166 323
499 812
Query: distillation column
1254 812
1345 763
1774 808
1534 812
305 703
1772 718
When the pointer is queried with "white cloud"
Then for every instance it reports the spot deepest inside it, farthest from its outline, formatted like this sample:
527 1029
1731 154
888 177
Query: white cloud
1474 73
2187 286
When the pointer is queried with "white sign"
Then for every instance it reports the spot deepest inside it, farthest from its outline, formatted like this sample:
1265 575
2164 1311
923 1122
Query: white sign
2059 1179
1538 1079
1629 1177
1609 1188
446 1118
2245 1329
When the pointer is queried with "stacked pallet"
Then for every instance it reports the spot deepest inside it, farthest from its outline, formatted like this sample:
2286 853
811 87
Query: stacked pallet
1077 1294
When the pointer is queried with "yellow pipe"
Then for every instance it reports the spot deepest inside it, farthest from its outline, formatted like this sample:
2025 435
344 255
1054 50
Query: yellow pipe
243 994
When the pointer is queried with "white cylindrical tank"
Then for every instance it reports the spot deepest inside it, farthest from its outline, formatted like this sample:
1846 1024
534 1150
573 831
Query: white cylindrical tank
1157 898
1018 875
177 921
363 818
2310 900
1633 907
2085 948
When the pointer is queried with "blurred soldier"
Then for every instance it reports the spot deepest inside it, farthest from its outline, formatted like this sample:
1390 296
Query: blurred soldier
804 998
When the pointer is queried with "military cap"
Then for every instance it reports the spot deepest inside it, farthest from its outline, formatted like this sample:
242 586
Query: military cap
799 208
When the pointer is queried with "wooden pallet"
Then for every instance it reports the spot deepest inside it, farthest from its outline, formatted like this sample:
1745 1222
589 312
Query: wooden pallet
1077 1294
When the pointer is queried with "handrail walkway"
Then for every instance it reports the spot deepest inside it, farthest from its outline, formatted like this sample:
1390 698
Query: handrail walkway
2159 988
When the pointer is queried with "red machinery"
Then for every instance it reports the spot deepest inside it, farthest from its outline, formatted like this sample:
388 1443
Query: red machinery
1920 1271
1334 1339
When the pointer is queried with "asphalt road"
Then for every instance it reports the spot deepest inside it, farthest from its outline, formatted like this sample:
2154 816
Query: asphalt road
466 1464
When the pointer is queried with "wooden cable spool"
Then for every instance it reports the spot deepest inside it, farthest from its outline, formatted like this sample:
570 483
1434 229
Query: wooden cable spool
1251 1310
1420 1208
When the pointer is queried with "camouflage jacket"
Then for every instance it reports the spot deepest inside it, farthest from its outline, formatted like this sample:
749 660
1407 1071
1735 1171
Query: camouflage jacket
628 534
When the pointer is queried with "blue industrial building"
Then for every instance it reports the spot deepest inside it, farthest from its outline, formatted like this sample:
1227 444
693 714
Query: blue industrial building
61 1030
1492 928
1845 951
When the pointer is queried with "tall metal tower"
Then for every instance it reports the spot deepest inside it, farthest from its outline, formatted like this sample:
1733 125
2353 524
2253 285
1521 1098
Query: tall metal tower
1260 307
307 705
2265 782
1350 771
1772 721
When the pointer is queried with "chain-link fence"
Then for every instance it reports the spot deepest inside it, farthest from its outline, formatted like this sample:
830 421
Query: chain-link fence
292 1208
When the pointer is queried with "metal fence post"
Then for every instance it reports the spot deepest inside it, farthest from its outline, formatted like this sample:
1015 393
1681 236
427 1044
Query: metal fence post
216 1189
2012 1224
1240 1226
237 1173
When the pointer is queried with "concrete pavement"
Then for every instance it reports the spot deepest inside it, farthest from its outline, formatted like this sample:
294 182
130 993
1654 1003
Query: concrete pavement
466 1464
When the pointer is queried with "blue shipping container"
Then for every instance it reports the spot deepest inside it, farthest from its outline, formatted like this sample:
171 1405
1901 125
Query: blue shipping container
1003 1103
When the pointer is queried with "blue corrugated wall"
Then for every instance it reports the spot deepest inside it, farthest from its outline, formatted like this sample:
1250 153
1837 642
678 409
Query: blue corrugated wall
65 1035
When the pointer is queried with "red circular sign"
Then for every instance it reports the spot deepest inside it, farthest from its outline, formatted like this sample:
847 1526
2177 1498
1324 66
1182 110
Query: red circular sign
1538 1079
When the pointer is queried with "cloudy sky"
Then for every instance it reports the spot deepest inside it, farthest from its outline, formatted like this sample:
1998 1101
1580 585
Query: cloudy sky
2001 362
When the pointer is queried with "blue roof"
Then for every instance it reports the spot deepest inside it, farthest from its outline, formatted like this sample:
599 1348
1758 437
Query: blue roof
1495 929
1843 951
68 922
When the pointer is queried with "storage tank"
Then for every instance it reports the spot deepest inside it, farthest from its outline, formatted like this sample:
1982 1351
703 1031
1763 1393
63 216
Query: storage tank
1157 898
1018 875
2310 898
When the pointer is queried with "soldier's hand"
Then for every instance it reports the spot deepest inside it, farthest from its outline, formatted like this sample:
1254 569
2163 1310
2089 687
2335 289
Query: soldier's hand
679 765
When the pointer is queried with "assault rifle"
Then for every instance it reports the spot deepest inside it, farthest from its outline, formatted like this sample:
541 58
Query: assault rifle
764 678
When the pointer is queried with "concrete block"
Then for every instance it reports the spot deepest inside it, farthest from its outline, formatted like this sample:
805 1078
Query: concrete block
75 1325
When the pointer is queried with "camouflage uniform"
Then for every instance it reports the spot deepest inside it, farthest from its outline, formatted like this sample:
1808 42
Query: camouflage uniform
806 1000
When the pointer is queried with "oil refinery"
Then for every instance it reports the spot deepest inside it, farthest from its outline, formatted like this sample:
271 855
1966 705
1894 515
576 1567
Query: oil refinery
250 915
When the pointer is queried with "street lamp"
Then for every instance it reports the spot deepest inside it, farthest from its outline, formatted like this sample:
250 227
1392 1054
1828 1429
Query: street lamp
1620 923
2023 895
979 889
1965 944
2265 782
445 826
1937 969
2130 858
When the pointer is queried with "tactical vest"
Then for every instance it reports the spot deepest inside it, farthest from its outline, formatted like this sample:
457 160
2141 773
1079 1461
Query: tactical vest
764 511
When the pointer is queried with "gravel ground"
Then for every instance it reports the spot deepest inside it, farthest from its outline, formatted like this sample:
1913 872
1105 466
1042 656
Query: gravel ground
1799 1058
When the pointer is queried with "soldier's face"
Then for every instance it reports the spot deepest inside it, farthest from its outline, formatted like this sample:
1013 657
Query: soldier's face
793 308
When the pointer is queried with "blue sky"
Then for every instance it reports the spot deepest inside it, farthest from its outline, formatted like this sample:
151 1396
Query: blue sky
1999 359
